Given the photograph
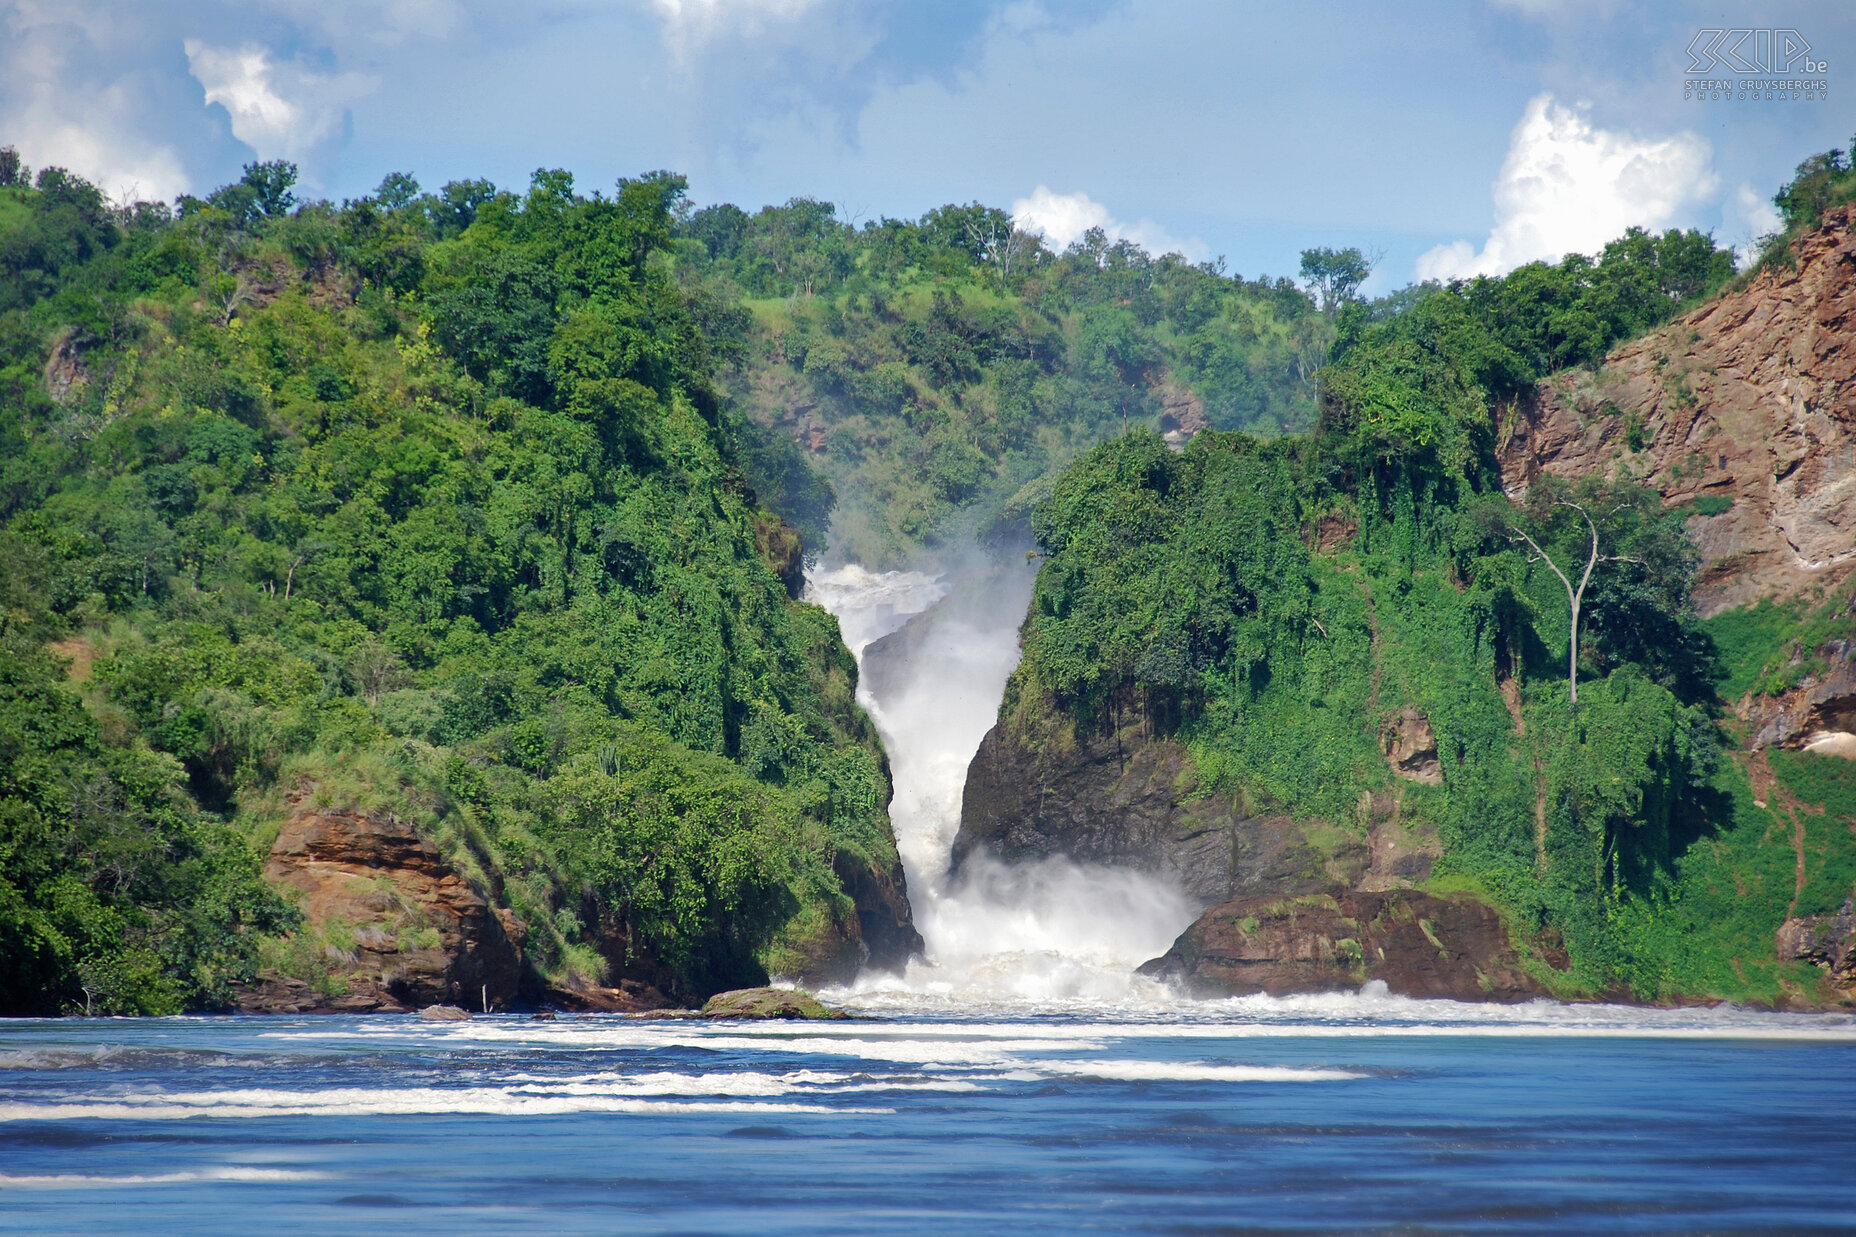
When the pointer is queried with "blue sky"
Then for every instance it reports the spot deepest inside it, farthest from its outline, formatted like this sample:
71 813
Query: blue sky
1450 137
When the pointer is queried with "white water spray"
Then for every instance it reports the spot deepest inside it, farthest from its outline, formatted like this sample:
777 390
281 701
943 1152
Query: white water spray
1040 933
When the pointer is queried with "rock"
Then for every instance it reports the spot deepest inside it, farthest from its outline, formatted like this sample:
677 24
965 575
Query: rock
768 1003
1750 399
630 996
419 933
1411 748
1825 941
1401 857
1818 714
66 375
1182 413
444 1013
886 935
1130 800
1418 944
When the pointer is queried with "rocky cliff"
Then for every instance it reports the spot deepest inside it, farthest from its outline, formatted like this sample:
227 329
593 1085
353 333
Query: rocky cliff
1128 799
399 927
1745 407
391 925
1743 412
1291 906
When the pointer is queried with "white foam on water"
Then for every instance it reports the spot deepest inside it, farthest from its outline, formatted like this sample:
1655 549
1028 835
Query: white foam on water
870 604
1190 1071
994 932
79 1181
373 1102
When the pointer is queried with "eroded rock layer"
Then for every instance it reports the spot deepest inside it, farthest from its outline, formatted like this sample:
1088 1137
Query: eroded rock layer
404 929
1750 399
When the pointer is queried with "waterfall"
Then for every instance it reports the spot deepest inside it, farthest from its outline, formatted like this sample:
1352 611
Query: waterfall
934 653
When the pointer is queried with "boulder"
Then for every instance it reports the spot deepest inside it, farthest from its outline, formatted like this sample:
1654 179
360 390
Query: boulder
1411 748
1418 944
444 1013
1827 942
759 1004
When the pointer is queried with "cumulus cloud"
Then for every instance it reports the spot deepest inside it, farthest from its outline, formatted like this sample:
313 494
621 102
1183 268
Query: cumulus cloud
65 101
1062 218
279 109
1569 187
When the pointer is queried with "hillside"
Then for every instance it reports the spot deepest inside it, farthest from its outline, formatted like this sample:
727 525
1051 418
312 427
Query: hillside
404 550
1324 681
940 371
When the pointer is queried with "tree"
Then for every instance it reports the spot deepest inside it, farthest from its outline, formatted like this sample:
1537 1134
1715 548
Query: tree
397 189
271 184
1336 274
999 243
1575 595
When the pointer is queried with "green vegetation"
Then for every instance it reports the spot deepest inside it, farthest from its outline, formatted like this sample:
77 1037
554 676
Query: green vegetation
425 503
940 371
490 510
1822 183
1260 599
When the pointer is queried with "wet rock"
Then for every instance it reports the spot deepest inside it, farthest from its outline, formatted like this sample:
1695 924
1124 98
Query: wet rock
1418 944
885 927
759 1004
1129 800
629 996
444 1013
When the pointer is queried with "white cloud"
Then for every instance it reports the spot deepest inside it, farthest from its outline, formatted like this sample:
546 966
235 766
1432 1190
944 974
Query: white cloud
1062 218
691 22
121 167
58 108
1569 187
279 109
1761 218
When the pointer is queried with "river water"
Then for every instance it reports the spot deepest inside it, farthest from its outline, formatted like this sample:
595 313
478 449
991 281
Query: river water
1017 1079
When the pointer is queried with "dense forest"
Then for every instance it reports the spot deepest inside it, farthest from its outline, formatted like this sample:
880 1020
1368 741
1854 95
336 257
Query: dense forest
420 504
489 509
1257 599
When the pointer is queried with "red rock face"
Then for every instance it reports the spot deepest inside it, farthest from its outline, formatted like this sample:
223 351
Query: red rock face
421 933
1419 945
1750 398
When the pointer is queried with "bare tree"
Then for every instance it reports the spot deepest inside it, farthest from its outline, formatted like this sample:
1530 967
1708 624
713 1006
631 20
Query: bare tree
1000 244
1575 595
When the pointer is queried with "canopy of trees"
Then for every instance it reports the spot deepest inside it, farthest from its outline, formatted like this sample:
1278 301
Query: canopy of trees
428 501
